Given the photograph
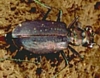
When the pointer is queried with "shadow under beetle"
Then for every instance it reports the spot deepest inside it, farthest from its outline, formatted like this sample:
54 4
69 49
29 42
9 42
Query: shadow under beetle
40 37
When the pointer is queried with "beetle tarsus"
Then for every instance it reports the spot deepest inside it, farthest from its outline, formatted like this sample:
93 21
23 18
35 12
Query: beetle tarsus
44 5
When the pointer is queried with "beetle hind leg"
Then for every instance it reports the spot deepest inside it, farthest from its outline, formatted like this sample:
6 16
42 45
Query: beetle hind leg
49 9
44 5
45 16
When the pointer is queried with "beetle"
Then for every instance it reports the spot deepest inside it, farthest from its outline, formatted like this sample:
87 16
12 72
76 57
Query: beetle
43 36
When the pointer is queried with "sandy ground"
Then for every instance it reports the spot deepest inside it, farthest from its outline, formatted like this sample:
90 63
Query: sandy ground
13 12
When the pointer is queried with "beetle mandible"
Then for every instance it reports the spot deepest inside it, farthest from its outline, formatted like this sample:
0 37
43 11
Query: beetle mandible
43 36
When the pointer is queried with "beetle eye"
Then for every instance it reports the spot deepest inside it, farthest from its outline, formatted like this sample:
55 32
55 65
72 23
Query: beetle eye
89 30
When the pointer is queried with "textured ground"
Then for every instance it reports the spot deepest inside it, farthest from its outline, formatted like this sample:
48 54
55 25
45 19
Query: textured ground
13 12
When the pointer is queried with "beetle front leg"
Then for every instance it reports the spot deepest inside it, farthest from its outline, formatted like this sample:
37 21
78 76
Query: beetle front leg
75 52
72 23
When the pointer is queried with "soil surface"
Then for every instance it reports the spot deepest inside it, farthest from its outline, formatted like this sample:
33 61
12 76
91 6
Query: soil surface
14 12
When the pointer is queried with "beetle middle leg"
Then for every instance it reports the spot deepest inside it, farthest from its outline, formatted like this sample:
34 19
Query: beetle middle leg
65 58
59 16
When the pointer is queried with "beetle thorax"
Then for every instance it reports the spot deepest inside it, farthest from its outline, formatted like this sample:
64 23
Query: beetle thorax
75 37
82 37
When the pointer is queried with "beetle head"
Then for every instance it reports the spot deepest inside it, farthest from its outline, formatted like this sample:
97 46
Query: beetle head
88 37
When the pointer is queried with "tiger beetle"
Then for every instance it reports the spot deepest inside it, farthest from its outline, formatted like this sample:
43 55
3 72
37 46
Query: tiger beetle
43 36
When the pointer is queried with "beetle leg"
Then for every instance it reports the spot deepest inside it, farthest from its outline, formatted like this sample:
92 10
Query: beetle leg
45 16
75 23
64 56
75 52
49 9
72 23
42 4
17 60
59 16
38 59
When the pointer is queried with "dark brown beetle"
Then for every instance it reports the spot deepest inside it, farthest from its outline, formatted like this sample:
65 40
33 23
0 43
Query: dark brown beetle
44 36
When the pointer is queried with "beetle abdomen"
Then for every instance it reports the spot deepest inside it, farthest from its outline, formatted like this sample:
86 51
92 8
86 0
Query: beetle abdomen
41 36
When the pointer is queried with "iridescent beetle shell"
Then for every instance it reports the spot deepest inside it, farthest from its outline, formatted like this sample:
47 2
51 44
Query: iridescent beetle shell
41 37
